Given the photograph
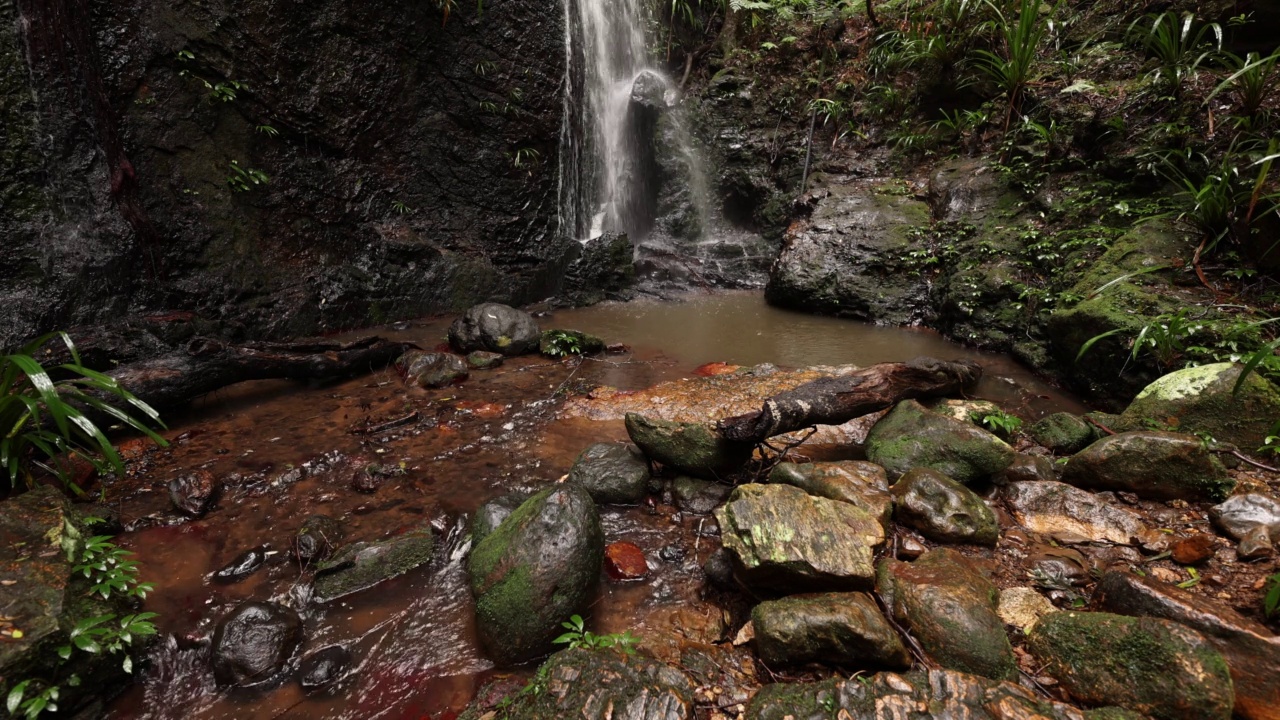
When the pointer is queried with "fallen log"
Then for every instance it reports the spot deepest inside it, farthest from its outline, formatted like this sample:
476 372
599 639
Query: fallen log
835 400
205 365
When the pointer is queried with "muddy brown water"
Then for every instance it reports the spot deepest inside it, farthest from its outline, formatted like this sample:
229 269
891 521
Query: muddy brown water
287 452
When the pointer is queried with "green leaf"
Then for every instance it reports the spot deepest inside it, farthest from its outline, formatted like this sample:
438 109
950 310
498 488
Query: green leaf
566 638
14 699
1093 340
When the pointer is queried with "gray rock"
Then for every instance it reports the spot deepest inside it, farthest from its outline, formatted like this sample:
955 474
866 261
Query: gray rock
612 473
1028 468
843 629
317 538
1063 433
604 269
362 565
496 328
1072 516
535 570
1154 465
1251 650
699 497
1256 544
910 436
484 360
1203 399
693 448
323 668
1154 666
951 608
1022 607
432 370
853 481
195 493
253 642
784 539
1239 515
943 509
491 514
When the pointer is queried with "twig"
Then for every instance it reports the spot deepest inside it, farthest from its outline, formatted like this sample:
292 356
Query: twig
1100 426
388 425
1254 463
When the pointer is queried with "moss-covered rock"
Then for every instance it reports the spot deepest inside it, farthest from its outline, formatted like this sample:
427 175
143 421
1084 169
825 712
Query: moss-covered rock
853 481
693 448
1063 433
1155 465
951 608
1201 399
362 565
1153 666
844 629
496 328
534 571
911 436
432 370
781 538
943 509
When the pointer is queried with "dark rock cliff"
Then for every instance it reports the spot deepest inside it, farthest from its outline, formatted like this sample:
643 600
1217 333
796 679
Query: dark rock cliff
405 163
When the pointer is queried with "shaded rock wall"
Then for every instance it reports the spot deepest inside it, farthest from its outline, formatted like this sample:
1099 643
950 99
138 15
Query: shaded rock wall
394 188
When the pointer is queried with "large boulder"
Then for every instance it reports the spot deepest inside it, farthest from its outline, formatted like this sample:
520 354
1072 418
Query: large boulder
362 565
1153 465
496 328
693 448
853 481
1154 666
943 509
951 608
781 538
534 571
253 642
1200 399
491 514
1072 516
1252 651
612 473
843 629
911 436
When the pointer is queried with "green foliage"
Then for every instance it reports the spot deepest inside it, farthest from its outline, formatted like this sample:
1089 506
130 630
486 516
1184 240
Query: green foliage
580 637
43 422
560 343
999 422
400 208
1254 80
243 179
267 130
1271 601
1178 43
1011 71
31 707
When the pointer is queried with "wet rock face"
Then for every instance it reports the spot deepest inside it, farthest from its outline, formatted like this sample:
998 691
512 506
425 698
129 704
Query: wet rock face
694 448
603 270
496 328
535 570
1153 666
1154 465
317 538
781 538
1243 514
1063 433
699 497
244 565
362 565
323 668
432 370
339 239
484 360
195 493
858 483
948 605
844 629
253 642
943 509
1072 516
612 473
491 514
911 436
1202 399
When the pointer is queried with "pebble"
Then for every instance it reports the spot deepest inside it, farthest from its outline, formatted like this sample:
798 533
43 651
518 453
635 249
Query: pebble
625 561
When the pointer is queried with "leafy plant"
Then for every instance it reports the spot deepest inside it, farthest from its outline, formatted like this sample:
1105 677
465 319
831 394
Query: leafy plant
243 179
999 422
1252 82
267 130
1177 42
43 421
1011 71
580 637
560 343
400 208
31 707
1271 601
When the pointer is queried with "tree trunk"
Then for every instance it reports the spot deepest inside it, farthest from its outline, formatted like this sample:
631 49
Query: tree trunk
835 400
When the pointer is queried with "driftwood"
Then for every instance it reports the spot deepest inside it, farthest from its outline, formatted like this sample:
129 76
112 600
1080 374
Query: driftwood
176 379
835 400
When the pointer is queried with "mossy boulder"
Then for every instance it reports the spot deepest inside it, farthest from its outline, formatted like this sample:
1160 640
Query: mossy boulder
911 436
534 571
1200 399
951 608
612 473
844 629
1063 433
693 448
1153 666
783 539
853 481
362 565
1154 465
432 370
943 509
496 328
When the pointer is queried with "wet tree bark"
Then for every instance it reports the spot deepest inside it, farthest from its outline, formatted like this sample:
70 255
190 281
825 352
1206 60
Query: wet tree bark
835 400
206 365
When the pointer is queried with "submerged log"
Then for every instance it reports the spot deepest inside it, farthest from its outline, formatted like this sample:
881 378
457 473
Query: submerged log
176 379
835 400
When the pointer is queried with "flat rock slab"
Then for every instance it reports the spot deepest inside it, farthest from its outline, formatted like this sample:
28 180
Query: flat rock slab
781 538
1154 465
1072 516
856 482
362 565
1150 665
951 608
844 629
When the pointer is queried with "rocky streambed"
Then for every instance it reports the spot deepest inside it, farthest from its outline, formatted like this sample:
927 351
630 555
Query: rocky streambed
407 544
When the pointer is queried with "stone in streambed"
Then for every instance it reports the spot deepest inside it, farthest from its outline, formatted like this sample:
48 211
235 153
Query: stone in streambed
856 482
1072 516
1193 550
535 570
943 509
625 561
362 565
612 473
1154 666
323 668
1203 399
1154 465
693 448
1241 514
244 565
491 514
843 629
495 328
781 538
1063 433
253 642
317 538
195 492
432 370
911 436
1252 652
946 604
484 360
1022 607
697 496
1256 544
